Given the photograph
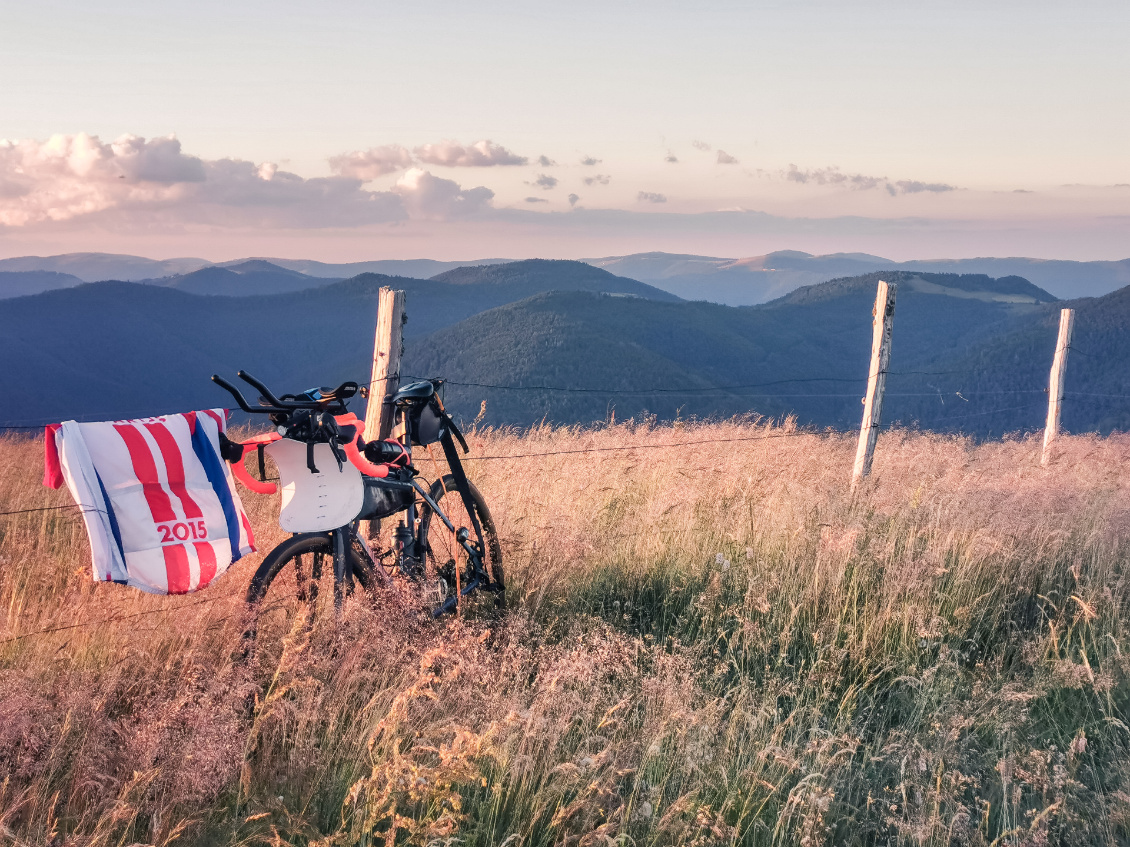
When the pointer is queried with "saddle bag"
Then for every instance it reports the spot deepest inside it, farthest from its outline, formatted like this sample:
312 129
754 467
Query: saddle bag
427 422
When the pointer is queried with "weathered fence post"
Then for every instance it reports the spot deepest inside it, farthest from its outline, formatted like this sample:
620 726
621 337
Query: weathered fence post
1055 381
388 344
882 327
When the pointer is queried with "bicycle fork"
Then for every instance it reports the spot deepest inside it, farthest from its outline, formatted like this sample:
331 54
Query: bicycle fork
343 574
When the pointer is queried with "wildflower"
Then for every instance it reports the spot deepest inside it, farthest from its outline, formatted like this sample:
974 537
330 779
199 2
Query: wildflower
643 812
1079 744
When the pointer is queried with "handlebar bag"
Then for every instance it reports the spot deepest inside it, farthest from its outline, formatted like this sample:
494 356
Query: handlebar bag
315 502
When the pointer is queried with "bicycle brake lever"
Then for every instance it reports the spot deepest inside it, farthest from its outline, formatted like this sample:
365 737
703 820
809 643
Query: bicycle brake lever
337 454
325 421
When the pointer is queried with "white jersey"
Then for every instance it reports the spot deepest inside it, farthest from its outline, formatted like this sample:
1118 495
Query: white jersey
159 503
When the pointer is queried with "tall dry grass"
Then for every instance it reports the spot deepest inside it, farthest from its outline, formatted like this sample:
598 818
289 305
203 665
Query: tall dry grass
714 643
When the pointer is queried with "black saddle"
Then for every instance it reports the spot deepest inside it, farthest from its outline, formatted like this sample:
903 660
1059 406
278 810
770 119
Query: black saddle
414 392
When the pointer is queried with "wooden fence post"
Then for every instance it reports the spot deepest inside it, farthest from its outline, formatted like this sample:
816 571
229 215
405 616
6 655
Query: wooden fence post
882 326
1055 381
388 344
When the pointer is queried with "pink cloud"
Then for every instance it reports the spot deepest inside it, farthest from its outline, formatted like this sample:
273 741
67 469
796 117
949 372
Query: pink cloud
71 175
481 154
369 164
431 197
135 182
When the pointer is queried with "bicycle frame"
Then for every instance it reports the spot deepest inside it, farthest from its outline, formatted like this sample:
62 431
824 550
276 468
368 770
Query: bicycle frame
320 419
344 536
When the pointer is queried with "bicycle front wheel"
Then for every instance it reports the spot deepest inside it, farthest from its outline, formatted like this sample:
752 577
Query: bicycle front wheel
294 587
446 563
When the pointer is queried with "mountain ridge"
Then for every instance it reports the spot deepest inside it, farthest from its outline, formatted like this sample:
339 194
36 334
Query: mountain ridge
731 281
114 343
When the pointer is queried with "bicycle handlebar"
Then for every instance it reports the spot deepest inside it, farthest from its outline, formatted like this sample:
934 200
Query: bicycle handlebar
325 424
273 404
248 378
353 450
241 400
239 470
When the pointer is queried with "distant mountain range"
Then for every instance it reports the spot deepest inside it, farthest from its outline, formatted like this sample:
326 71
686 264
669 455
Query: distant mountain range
759 279
242 279
971 352
24 283
98 267
116 349
805 354
94 267
733 282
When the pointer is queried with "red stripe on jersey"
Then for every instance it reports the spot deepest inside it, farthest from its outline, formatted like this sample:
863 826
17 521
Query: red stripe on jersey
145 469
247 528
178 576
206 554
219 421
174 468
178 573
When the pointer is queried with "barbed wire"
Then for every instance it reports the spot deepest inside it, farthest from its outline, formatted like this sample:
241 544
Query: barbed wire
701 389
111 619
739 389
699 442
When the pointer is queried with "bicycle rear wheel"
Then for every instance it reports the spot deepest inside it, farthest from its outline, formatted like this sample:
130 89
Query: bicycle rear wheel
283 600
443 557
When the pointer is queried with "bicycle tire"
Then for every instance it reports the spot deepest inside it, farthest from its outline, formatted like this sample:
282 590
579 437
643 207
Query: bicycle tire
266 595
441 554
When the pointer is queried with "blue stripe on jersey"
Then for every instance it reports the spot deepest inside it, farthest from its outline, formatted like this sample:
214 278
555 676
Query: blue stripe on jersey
206 453
113 523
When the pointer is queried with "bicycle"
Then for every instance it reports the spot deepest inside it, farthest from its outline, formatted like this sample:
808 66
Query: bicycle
331 480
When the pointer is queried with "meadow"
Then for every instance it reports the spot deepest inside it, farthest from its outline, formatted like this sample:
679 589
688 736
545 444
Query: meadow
709 643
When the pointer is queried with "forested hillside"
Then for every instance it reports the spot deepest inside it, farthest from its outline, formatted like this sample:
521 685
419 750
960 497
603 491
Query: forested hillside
970 352
805 354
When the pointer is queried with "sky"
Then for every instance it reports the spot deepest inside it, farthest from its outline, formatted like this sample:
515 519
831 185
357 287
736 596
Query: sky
345 131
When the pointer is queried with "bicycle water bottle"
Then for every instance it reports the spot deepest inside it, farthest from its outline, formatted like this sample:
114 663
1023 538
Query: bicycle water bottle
405 542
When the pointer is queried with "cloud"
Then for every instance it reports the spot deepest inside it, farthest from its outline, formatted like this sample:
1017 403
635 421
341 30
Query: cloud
133 182
369 164
651 197
481 154
725 158
671 157
907 186
599 179
536 200
544 182
589 161
434 198
546 162
573 198
700 145
71 175
834 176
